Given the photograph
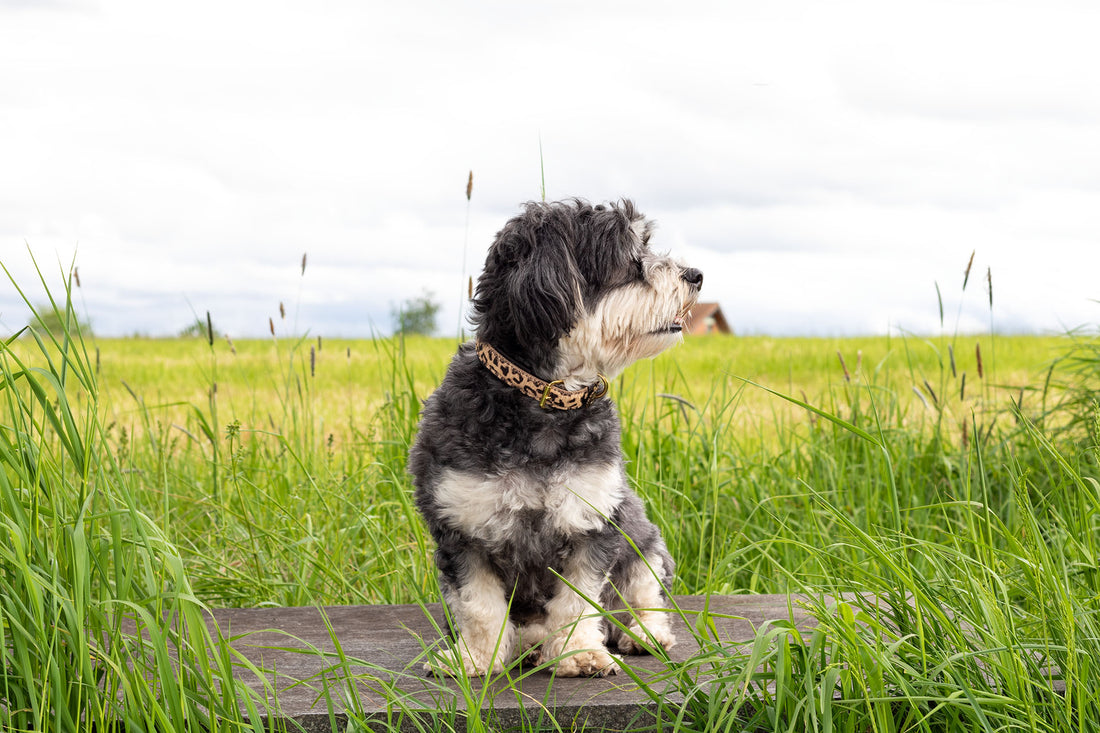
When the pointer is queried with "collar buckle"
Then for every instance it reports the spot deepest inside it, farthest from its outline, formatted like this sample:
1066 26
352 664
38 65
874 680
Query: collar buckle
546 392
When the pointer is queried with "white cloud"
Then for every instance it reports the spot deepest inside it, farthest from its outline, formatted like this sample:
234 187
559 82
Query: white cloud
824 163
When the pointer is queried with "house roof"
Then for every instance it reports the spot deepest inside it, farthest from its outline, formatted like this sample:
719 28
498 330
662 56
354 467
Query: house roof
707 318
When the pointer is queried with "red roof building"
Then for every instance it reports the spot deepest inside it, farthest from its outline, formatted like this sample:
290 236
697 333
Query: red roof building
706 318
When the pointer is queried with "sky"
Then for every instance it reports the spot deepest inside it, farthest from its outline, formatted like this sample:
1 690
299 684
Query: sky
827 165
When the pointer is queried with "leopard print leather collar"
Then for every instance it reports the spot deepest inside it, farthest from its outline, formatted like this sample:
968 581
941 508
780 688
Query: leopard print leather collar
548 394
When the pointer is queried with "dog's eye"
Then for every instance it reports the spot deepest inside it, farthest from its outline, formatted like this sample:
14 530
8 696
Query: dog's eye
634 272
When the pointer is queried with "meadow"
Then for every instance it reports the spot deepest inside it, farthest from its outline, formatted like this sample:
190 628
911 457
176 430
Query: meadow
953 478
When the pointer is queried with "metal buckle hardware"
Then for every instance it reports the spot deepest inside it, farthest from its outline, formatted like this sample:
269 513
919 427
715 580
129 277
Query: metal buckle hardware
546 392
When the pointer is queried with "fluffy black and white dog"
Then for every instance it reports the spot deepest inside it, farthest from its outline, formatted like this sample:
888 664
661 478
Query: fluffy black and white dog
518 465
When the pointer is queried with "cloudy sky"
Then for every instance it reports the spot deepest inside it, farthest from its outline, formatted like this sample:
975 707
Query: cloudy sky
825 164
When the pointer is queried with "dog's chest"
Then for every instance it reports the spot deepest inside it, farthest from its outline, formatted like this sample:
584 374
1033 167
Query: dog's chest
501 508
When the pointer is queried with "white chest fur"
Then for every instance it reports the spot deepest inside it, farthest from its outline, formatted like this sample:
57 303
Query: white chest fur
489 507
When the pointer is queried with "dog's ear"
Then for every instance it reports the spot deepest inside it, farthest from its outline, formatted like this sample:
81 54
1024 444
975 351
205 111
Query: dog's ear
527 297
542 288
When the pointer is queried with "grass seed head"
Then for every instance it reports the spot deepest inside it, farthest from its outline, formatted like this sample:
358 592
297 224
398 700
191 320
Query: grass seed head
939 300
966 275
76 276
282 311
469 185
847 376
271 325
978 356
303 263
931 393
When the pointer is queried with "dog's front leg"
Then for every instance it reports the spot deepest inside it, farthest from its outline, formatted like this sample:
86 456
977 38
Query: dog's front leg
487 637
575 625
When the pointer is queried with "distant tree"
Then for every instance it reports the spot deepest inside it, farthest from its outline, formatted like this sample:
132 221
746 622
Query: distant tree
200 328
415 316
56 322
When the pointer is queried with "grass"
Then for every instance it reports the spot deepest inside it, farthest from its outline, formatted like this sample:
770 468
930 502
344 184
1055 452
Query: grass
347 383
144 481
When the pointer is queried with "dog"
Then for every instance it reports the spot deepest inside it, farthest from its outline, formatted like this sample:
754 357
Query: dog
517 465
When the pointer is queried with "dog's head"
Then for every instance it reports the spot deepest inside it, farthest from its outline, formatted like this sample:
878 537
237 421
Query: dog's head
570 290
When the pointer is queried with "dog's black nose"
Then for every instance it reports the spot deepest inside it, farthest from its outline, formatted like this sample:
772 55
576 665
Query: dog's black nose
693 276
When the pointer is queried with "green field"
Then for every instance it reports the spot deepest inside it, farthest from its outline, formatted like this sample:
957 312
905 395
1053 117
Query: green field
150 476
350 380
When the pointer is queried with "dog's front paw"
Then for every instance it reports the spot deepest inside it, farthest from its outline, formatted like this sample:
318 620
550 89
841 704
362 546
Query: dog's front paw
655 635
448 663
589 663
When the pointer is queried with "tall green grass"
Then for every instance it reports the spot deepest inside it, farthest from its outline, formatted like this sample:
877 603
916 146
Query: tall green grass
99 623
953 569
943 527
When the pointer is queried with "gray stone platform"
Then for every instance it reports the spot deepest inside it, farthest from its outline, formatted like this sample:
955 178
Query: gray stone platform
382 648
